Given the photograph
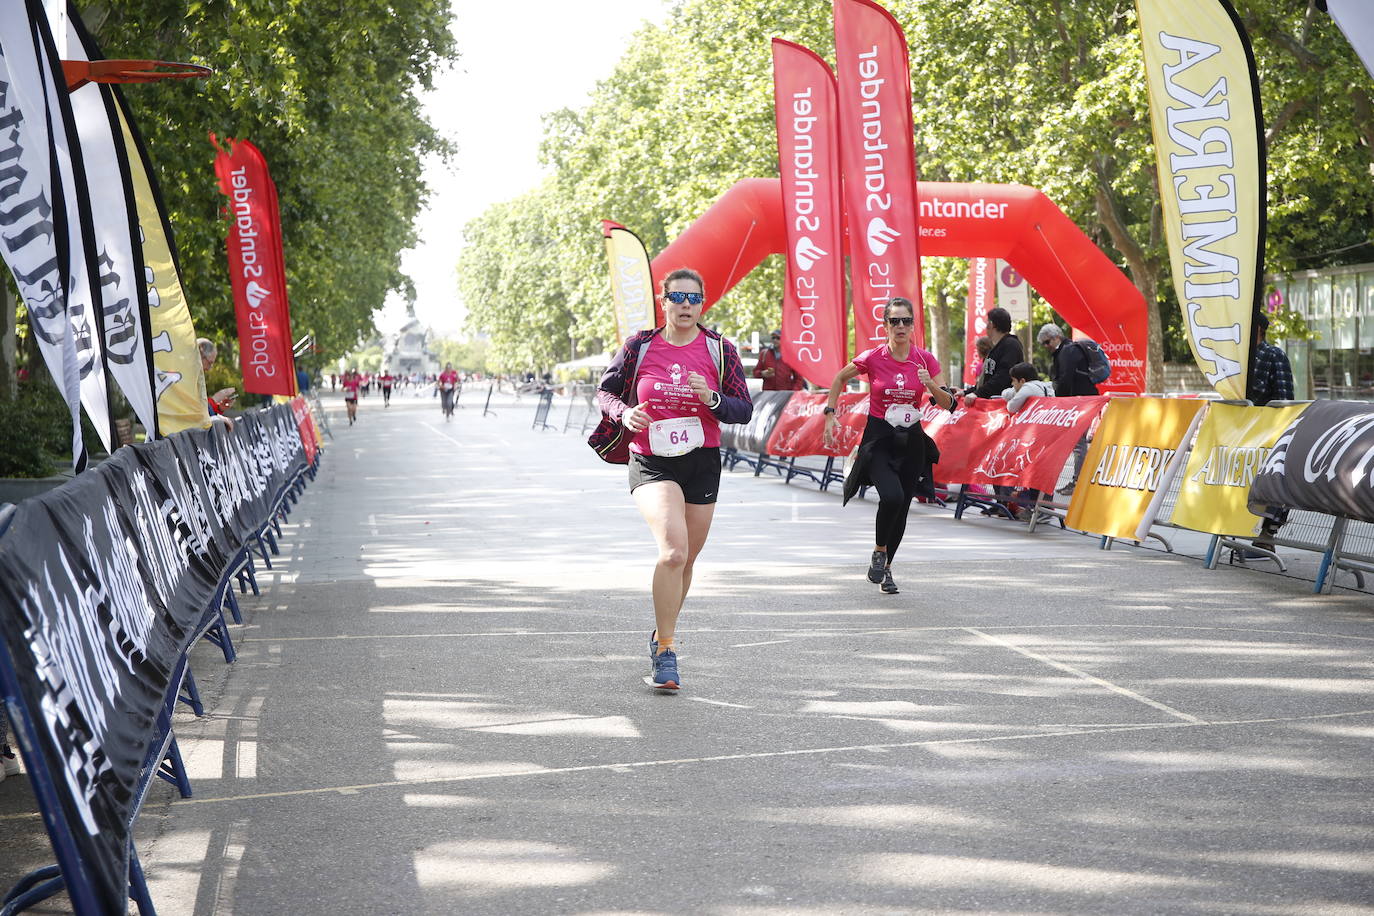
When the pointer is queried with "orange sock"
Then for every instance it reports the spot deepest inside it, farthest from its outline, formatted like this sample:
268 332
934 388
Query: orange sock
664 645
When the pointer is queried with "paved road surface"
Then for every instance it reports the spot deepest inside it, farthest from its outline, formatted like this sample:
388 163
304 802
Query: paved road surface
437 709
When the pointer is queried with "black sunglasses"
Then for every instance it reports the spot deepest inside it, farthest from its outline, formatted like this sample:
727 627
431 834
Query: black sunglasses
677 298
898 320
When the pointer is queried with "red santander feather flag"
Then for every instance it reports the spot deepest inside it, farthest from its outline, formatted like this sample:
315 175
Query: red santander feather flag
878 155
257 270
813 306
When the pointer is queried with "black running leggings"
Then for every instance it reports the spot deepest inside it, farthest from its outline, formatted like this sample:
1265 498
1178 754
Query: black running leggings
895 481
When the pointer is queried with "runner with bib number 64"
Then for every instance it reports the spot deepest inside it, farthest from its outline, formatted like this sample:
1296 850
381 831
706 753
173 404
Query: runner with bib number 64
672 388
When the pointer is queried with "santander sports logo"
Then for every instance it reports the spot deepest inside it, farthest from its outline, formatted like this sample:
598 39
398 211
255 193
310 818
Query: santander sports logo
807 253
880 235
256 293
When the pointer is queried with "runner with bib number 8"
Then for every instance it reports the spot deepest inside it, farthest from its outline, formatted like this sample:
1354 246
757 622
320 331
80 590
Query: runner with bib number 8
672 388
895 453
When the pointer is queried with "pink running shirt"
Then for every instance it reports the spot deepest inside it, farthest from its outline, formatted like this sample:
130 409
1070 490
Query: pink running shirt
663 390
894 382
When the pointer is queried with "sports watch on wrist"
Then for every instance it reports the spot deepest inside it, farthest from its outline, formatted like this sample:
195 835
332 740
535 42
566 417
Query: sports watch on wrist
829 411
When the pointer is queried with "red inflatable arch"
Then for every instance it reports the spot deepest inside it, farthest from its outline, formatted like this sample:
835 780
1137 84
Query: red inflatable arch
1013 222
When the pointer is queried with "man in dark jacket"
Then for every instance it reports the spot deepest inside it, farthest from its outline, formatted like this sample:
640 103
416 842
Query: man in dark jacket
1070 373
1006 352
1070 364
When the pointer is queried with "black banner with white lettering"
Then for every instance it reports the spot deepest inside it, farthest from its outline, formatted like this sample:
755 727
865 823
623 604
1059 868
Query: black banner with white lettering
1324 461
105 583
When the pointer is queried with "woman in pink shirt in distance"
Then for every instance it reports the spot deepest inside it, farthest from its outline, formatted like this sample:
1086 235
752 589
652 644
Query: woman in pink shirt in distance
895 451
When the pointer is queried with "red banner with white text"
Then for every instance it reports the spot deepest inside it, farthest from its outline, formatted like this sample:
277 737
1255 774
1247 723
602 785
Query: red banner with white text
963 438
257 270
1030 450
813 307
800 429
878 157
982 291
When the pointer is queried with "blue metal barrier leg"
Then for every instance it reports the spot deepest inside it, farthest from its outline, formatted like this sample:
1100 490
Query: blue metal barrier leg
233 604
1213 550
192 696
219 635
22 888
272 542
138 885
173 770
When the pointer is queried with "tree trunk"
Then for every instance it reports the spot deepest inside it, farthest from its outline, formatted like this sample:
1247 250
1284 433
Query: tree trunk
939 333
8 353
1144 274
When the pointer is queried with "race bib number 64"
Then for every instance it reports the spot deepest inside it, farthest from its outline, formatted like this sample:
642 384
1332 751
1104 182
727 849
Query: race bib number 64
678 436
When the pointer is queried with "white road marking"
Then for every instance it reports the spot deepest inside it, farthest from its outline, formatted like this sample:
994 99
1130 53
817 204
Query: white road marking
758 755
718 703
1069 669
750 645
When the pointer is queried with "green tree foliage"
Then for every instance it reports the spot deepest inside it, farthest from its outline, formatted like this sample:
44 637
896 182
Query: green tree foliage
327 89
1048 93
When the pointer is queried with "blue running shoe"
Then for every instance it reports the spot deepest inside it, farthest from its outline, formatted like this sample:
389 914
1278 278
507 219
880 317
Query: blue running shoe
665 676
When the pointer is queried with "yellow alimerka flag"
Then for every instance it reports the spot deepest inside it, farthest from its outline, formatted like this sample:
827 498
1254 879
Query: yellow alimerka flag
1232 446
1209 148
1125 465
180 382
632 282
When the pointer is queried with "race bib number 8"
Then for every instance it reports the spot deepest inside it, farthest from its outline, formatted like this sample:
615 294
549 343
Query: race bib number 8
902 415
678 436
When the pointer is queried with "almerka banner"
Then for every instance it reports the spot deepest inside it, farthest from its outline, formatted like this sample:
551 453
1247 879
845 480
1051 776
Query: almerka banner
104 584
878 157
1232 446
257 270
177 373
982 288
119 259
632 282
1209 149
1324 462
42 226
1126 462
813 306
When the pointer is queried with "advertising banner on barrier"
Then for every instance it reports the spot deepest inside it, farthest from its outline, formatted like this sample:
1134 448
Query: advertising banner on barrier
878 156
1209 149
104 583
964 436
257 270
306 424
1232 446
800 429
1324 461
813 305
632 282
1134 444
1030 450
982 283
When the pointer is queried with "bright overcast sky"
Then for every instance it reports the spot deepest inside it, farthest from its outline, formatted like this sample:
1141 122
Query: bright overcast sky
518 61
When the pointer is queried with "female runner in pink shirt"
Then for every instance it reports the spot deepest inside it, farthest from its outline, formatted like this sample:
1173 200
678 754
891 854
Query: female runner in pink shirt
673 398
895 452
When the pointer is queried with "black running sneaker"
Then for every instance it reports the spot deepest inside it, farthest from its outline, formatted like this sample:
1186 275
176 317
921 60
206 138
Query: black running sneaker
876 566
889 587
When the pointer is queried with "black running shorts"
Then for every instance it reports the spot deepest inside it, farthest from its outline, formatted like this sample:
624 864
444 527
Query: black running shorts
697 473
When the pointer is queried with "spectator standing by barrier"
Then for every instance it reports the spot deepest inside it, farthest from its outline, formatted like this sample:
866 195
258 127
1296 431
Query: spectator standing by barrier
1025 384
351 381
1272 380
895 454
223 399
672 388
995 375
1069 370
776 374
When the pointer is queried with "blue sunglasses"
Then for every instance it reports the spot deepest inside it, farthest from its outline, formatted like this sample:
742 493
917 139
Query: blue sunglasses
677 298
